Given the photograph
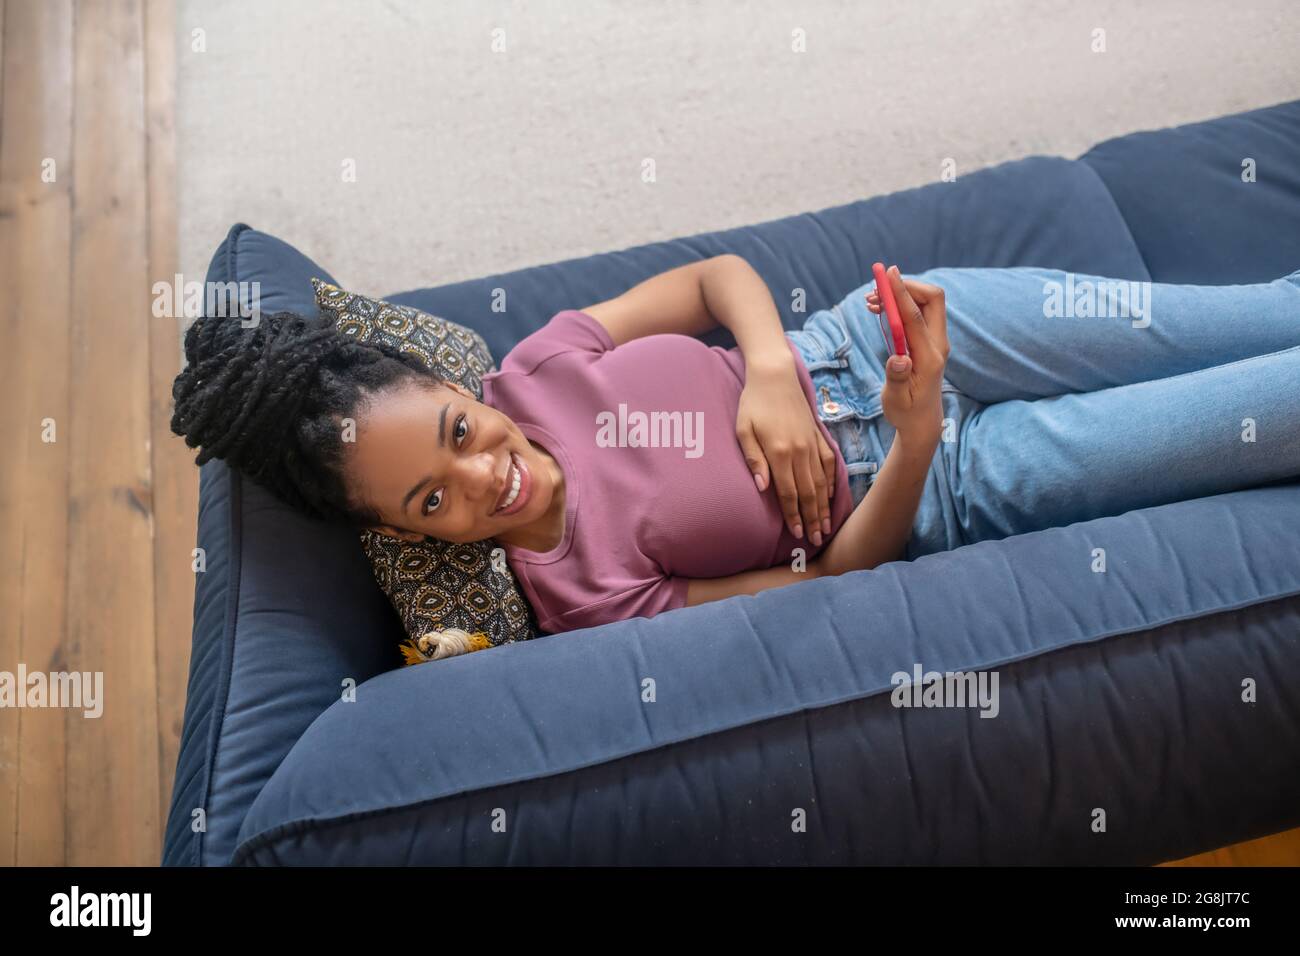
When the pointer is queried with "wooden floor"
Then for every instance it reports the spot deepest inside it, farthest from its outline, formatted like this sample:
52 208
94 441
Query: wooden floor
96 526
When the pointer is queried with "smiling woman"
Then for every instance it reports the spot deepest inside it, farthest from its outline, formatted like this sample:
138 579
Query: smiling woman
599 531
431 460
358 431
425 458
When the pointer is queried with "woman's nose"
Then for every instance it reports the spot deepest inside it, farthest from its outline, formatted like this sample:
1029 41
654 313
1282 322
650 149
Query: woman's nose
478 475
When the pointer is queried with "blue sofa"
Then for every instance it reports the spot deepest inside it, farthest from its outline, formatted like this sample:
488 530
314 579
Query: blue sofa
1122 734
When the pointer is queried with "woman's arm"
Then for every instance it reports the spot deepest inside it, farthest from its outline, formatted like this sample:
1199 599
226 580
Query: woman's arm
775 425
877 530
704 590
696 298
874 534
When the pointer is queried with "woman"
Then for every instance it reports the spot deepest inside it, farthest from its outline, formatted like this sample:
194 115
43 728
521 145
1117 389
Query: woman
629 469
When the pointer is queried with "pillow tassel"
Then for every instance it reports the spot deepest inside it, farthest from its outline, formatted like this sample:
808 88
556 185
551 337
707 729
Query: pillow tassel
437 645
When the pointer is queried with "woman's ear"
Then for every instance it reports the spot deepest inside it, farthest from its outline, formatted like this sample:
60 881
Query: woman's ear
389 531
460 390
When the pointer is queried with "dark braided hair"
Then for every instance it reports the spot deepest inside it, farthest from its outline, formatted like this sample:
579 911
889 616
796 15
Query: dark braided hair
270 401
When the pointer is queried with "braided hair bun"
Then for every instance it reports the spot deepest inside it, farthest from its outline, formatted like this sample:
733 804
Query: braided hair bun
270 399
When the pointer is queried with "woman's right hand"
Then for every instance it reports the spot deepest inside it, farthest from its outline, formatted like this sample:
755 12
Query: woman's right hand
912 396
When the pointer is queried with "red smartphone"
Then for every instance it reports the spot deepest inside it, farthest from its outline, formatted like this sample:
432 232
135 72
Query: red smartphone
891 322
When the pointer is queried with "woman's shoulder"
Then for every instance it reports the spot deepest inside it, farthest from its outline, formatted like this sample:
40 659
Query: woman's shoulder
568 331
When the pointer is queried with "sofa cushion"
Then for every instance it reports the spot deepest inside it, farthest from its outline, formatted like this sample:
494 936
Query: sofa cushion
1194 218
1124 690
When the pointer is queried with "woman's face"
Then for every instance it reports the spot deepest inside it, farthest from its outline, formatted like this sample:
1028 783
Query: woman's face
431 460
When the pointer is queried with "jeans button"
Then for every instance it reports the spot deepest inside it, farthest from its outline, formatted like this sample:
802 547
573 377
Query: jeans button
829 405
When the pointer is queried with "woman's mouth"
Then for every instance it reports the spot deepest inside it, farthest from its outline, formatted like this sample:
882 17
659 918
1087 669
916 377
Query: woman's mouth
515 494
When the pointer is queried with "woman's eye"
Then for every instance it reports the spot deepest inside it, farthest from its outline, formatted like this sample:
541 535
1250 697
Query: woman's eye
460 430
431 503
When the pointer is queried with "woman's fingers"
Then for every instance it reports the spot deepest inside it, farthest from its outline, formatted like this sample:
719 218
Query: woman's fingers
815 521
787 492
828 468
931 300
754 456
898 383
801 490
918 336
810 519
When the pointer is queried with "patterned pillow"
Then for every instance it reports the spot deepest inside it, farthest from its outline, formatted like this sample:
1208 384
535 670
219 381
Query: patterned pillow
452 598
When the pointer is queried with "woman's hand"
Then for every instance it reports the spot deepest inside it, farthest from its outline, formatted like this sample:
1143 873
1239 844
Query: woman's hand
783 445
878 529
912 397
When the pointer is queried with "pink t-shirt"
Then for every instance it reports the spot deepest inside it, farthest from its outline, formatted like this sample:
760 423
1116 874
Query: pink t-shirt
651 500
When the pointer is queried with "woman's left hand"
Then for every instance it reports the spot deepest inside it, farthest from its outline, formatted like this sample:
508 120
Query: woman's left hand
783 445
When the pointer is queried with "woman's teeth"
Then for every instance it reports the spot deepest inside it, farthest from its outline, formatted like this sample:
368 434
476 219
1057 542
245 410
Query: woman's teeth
514 486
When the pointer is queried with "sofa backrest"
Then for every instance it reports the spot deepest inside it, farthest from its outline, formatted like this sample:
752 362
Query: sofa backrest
1213 203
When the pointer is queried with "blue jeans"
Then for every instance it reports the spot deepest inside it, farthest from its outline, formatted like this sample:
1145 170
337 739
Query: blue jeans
1072 397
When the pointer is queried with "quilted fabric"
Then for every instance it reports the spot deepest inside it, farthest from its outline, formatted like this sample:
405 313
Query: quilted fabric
434 585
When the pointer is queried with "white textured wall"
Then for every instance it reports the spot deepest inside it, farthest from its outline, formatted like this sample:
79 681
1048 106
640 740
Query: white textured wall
470 161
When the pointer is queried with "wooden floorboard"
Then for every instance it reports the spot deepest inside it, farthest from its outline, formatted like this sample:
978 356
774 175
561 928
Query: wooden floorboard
1280 849
35 243
112 769
175 479
97 527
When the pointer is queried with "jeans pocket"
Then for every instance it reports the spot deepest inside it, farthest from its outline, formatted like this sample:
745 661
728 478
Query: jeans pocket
860 464
848 421
824 340
838 401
